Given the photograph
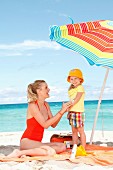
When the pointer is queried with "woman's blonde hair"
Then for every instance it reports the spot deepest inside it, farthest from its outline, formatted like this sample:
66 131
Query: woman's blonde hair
32 90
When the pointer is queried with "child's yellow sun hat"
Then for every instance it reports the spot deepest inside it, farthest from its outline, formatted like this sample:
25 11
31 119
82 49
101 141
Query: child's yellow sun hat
75 73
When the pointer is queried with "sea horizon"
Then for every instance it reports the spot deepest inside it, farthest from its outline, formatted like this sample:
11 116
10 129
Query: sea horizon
86 101
13 116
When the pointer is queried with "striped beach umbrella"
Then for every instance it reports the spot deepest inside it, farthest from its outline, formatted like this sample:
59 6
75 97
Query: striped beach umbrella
94 41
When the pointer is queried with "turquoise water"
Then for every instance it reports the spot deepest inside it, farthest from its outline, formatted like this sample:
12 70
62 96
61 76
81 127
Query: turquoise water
12 116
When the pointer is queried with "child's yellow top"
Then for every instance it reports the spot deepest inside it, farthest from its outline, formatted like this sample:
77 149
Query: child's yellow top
78 107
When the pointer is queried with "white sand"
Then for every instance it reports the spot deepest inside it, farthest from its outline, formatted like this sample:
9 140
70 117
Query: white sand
10 141
13 138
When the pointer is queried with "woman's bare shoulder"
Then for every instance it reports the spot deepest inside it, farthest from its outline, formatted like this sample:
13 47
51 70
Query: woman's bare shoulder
47 104
32 108
31 105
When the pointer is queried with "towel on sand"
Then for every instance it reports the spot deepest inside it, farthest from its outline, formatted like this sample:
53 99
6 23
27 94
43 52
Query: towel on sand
96 155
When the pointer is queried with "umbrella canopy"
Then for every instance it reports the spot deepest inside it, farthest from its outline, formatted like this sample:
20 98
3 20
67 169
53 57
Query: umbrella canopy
94 41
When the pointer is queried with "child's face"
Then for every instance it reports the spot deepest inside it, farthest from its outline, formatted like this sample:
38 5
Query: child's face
75 81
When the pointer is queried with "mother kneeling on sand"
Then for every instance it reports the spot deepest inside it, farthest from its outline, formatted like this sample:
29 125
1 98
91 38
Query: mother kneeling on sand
39 117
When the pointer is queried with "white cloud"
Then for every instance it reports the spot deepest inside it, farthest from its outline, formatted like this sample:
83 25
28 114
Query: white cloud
25 47
93 93
29 45
13 95
7 54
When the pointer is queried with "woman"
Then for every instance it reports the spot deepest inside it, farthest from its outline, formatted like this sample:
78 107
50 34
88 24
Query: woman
39 117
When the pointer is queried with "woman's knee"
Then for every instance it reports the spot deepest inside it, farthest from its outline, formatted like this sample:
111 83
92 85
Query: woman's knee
59 147
62 146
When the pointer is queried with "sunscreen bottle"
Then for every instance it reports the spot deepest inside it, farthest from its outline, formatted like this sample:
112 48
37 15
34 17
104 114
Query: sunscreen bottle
73 153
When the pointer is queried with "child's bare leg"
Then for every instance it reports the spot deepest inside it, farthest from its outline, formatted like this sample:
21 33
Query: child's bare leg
74 135
82 136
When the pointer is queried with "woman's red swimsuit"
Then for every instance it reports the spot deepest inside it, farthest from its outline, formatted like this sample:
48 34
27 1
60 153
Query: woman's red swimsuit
34 130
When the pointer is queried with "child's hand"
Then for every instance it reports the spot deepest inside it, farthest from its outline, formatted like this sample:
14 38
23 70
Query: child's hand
66 106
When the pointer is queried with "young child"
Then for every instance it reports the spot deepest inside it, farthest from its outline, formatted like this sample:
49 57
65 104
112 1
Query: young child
76 112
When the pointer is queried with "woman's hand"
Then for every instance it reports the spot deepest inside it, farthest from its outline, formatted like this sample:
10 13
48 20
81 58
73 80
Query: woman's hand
65 107
68 115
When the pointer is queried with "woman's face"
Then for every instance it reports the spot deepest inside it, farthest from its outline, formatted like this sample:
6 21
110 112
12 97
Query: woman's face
75 81
43 91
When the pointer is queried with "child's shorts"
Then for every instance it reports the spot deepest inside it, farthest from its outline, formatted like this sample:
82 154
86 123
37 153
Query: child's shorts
76 119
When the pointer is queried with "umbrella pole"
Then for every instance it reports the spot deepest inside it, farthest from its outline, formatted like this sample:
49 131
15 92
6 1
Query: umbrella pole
98 107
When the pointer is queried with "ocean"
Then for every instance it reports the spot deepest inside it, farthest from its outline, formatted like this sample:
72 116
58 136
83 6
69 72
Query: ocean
13 116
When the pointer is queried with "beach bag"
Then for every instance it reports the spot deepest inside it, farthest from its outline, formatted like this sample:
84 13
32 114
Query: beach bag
61 137
64 138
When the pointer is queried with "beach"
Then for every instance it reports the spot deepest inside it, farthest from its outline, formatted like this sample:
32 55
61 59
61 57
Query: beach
12 121
10 140
48 48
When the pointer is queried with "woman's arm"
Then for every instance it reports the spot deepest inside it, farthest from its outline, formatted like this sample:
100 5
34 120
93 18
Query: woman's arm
50 116
40 118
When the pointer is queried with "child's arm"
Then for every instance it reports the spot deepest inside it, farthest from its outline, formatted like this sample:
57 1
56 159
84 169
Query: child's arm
77 98
74 101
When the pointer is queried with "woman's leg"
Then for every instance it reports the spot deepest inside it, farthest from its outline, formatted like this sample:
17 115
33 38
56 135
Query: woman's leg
30 144
57 146
41 151
26 144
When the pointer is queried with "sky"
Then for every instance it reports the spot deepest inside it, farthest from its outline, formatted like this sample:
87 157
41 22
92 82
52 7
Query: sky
27 53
